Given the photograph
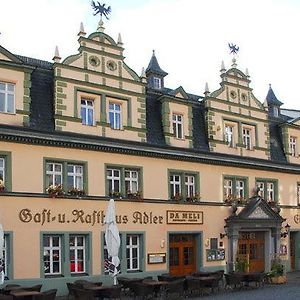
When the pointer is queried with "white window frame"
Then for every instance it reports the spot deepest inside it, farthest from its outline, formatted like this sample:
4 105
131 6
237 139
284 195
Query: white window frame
261 186
131 179
113 178
76 248
190 188
52 175
113 111
270 191
51 249
2 169
247 138
6 93
5 253
229 135
87 106
293 145
228 187
175 184
157 83
177 120
131 247
76 175
240 188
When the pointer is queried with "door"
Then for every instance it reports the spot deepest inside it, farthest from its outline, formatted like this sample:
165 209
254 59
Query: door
251 248
292 251
182 254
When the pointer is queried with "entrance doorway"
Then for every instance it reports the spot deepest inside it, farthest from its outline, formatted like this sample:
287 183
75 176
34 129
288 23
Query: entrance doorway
182 254
251 248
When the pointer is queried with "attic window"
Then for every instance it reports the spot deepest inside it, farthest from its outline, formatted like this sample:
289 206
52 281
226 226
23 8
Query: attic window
275 111
94 61
233 94
157 83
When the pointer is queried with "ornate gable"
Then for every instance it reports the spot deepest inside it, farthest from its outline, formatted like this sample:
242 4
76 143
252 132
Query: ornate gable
8 56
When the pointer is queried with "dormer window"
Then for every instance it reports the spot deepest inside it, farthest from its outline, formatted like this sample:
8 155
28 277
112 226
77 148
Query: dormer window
276 111
7 97
157 83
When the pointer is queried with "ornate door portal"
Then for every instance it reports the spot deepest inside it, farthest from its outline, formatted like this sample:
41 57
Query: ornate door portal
182 254
251 249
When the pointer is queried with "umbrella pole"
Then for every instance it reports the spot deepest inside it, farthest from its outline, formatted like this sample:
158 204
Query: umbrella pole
115 280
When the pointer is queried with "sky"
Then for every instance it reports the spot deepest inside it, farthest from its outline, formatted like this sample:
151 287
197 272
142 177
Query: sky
190 38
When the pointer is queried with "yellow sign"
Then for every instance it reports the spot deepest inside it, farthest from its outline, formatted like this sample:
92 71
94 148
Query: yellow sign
184 217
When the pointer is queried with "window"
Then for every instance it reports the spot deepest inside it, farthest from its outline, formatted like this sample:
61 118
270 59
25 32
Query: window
190 186
183 185
68 174
75 176
229 135
87 112
133 252
157 83
115 115
178 126
131 181
292 145
114 180
7 97
52 254
77 253
276 111
123 181
53 173
267 189
235 188
247 138
2 169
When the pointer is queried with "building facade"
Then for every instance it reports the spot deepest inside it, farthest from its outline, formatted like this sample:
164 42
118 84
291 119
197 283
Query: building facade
199 182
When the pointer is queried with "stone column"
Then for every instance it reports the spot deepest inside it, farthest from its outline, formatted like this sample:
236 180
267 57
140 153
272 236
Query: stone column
233 237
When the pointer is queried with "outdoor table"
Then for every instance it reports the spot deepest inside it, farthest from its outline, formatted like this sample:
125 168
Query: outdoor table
160 286
22 293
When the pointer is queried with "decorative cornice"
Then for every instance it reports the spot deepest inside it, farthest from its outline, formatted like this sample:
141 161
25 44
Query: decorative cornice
79 141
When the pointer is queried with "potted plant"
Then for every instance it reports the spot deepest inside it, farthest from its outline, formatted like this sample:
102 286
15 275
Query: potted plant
55 190
194 198
177 197
74 191
241 265
277 273
115 194
134 195
2 186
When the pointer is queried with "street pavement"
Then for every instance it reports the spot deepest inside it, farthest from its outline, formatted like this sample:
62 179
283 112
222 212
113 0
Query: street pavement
288 291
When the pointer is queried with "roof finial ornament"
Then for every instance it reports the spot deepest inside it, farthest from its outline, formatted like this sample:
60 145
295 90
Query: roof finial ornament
247 73
223 69
120 43
206 91
143 75
101 9
56 57
81 30
233 50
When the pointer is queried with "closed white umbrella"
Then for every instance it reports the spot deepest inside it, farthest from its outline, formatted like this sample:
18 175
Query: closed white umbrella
112 237
1 254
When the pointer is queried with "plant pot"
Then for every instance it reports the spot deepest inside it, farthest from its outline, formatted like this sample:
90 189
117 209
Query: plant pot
278 279
2 188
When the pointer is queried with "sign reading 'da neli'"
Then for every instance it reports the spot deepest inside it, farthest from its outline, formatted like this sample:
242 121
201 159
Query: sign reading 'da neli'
184 217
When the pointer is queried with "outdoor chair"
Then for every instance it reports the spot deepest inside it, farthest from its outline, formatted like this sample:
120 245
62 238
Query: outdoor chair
113 292
36 287
233 280
193 286
6 297
9 287
81 294
143 291
79 283
175 288
71 286
47 295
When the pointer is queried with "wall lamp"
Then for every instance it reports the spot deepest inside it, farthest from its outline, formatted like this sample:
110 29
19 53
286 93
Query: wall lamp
286 232
222 235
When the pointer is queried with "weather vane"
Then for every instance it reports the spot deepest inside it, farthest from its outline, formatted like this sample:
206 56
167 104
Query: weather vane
233 48
101 9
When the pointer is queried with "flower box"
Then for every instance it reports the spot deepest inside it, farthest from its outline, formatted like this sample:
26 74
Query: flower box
278 279
55 190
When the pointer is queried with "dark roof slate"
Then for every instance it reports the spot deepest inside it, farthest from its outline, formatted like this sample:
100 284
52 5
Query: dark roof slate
154 67
272 99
